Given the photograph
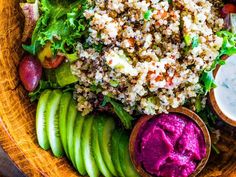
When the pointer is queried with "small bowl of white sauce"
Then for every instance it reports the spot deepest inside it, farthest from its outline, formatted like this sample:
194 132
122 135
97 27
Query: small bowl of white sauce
223 97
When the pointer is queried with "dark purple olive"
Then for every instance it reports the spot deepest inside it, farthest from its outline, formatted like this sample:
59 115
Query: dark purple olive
30 71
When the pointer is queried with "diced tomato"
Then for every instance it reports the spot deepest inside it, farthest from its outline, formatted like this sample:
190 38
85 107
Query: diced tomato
47 58
227 9
169 80
51 63
159 78
131 41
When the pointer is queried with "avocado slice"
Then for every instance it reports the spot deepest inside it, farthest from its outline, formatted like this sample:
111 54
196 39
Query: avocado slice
90 163
52 123
79 160
96 147
64 75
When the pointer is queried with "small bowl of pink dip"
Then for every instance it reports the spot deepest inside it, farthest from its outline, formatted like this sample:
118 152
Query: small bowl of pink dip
177 144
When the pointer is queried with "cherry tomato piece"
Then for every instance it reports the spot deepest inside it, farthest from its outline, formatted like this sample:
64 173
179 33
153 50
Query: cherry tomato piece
51 63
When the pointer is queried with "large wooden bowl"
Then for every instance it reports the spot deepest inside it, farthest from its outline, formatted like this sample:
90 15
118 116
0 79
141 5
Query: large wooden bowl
17 114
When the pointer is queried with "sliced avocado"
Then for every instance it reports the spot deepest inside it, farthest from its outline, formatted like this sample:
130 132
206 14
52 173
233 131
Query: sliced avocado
63 111
79 160
52 123
124 156
96 148
90 163
41 120
106 126
71 117
64 75
115 151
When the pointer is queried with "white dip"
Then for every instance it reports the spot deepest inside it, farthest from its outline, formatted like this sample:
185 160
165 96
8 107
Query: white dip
225 93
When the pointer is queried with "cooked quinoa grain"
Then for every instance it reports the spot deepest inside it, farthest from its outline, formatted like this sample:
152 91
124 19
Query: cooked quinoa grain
154 52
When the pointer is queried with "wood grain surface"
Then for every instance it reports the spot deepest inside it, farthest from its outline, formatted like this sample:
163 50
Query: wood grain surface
17 114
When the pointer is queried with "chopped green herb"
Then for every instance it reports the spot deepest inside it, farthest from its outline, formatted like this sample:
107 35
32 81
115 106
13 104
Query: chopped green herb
198 104
208 80
147 15
119 66
95 88
195 41
187 40
114 83
98 47
225 85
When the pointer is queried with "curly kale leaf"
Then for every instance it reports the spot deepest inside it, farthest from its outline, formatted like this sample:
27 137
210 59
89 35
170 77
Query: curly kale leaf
62 24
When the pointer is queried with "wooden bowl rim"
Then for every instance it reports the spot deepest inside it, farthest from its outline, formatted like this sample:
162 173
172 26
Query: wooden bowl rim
14 158
180 110
214 105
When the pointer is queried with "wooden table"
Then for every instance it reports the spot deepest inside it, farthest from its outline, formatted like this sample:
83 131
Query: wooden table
7 167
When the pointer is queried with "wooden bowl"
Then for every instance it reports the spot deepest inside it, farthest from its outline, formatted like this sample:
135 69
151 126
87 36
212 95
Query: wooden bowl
180 110
17 114
214 105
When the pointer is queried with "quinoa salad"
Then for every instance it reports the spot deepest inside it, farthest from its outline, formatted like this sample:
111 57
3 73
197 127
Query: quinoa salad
153 53
104 70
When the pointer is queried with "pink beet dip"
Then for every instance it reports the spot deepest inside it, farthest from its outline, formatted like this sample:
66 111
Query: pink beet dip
170 145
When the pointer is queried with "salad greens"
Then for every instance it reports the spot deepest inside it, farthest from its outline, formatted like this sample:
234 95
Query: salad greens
43 85
195 41
228 48
124 116
147 15
62 23
59 78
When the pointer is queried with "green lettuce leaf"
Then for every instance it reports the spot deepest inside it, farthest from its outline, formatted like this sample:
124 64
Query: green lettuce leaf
208 80
43 85
62 24
228 48
124 116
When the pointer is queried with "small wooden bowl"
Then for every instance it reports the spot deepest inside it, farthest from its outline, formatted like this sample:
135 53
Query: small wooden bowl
214 105
180 110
